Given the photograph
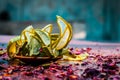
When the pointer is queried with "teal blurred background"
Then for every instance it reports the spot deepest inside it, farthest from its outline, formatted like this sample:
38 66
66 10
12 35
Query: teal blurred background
93 20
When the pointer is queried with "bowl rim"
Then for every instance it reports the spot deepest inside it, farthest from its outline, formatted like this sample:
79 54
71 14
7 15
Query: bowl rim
30 57
34 57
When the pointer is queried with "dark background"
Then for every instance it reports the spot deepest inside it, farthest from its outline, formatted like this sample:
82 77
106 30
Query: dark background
94 20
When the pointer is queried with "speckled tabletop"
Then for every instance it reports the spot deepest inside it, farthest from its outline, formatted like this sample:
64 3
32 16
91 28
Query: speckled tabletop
103 63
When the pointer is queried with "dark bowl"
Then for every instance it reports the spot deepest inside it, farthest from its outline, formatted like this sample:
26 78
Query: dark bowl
35 60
